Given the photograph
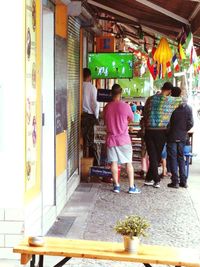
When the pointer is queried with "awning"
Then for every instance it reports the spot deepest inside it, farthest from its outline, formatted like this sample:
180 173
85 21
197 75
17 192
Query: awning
153 17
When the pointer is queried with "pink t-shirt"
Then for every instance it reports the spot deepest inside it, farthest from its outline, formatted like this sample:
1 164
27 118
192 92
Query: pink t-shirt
116 116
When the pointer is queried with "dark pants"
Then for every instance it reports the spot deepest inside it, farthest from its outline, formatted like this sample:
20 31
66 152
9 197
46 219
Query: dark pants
87 126
155 141
175 152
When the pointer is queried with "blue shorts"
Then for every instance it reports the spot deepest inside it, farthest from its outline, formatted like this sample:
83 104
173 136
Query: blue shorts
164 152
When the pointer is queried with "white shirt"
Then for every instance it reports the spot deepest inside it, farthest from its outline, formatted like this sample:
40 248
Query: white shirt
90 104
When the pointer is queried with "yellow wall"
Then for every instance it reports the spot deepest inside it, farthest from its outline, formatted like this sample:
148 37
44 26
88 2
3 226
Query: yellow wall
61 153
31 193
61 139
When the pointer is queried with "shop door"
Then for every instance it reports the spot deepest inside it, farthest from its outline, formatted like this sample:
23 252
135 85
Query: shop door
48 132
73 96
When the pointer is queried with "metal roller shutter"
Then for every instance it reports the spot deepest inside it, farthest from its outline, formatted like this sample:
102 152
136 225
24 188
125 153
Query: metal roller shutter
73 96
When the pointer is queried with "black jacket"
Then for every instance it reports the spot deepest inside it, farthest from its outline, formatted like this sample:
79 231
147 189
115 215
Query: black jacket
180 123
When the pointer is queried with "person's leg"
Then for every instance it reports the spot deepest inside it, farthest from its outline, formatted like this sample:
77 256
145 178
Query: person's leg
124 154
172 155
164 167
114 170
87 126
164 161
155 140
92 146
168 167
181 164
84 134
113 158
130 172
160 141
152 155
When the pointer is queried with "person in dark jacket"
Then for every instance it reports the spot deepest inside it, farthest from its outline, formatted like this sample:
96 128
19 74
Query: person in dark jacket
156 116
180 123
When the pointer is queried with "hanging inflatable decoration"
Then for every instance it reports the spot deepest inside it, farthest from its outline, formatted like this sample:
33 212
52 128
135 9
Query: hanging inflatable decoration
163 54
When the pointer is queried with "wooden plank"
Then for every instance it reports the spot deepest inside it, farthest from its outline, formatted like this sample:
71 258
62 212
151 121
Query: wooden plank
163 11
112 251
25 258
196 23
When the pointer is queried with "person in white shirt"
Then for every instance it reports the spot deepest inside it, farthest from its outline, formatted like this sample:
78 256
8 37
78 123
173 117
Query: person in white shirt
90 114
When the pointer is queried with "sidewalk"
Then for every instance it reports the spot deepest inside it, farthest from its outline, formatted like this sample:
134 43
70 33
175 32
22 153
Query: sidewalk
93 210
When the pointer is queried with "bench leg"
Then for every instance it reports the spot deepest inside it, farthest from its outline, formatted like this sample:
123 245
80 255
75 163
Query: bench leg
41 260
149 265
40 263
62 262
32 263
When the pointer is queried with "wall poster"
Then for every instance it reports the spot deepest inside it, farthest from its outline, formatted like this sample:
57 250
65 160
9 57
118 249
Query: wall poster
30 95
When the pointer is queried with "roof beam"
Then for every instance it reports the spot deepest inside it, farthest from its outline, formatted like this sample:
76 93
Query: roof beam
163 11
121 20
124 15
112 10
196 23
194 13
160 26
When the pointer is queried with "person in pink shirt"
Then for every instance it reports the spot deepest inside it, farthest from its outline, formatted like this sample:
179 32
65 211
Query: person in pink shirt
117 115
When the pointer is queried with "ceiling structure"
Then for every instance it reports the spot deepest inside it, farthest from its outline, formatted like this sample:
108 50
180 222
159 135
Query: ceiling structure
151 17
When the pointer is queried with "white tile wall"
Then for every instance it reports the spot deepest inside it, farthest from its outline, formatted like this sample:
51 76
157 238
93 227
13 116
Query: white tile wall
11 227
33 228
1 214
1 240
72 185
7 253
14 214
49 218
34 208
12 240
12 220
33 217
61 191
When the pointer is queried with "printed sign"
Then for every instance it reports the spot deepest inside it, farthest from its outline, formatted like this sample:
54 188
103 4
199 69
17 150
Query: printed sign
104 95
99 134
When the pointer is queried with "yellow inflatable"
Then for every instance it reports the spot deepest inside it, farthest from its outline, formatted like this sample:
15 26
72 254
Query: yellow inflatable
163 54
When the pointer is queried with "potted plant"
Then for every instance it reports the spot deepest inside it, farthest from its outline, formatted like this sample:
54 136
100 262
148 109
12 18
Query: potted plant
132 227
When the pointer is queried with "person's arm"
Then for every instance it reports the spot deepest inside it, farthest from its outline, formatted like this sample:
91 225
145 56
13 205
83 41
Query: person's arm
190 120
104 114
146 110
95 102
130 114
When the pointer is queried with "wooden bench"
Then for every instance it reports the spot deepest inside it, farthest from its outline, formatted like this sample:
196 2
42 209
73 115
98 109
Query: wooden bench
98 250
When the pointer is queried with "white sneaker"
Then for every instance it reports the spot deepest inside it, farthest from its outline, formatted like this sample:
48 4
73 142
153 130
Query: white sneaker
149 182
156 185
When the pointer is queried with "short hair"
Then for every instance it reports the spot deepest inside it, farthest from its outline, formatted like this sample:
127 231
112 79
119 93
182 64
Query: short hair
167 86
86 73
176 91
116 90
